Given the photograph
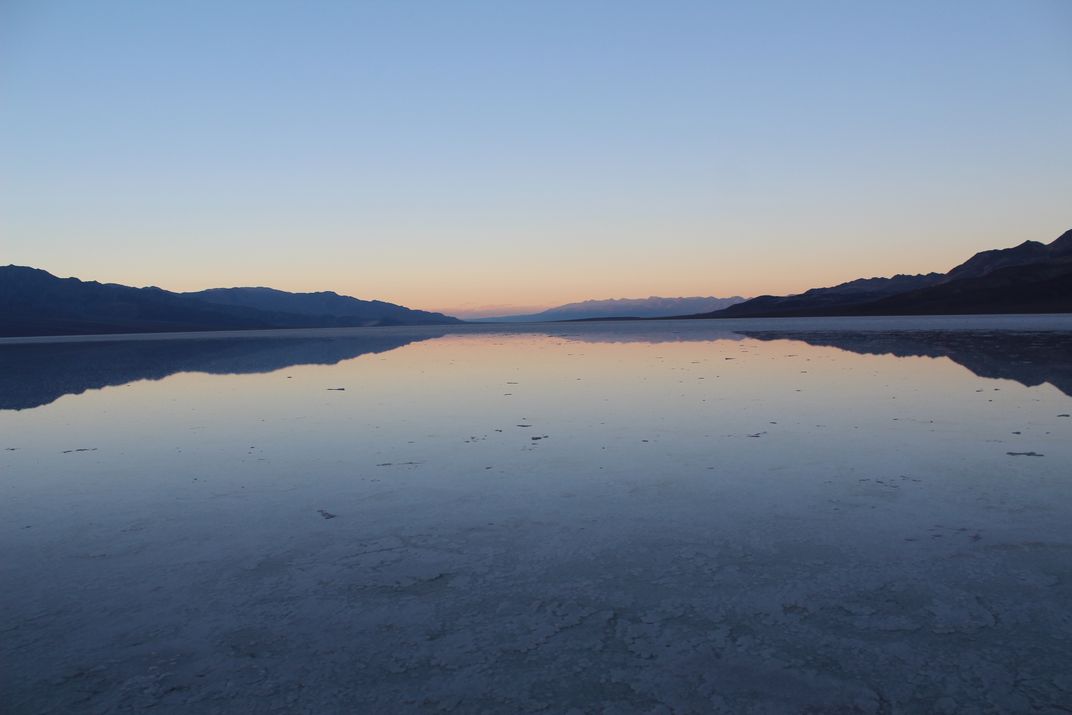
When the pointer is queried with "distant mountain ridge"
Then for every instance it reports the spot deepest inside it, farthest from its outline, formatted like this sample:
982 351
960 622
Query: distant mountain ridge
986 262
652 307
1032 277
323 303
35 302
854 292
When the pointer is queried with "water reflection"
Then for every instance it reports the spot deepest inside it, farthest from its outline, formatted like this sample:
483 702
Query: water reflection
637 518
36 374
1028 358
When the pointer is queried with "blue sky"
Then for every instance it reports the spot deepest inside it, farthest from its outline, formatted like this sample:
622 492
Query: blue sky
453 155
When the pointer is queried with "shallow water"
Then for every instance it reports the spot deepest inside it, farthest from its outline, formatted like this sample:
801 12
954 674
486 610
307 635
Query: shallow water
738 516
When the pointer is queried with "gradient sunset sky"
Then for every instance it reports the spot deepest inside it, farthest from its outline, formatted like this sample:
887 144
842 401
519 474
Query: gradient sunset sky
457 155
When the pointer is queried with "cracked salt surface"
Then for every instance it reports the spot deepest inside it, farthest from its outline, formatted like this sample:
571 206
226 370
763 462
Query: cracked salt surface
867 554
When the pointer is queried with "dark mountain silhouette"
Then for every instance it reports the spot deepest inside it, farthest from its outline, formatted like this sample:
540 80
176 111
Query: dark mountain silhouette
329 303
1043 287
35 302
653 307
986 262
35 374
1028 358
818 300
1030 278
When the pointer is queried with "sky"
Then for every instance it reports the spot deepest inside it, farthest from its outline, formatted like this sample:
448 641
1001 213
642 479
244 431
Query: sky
482 157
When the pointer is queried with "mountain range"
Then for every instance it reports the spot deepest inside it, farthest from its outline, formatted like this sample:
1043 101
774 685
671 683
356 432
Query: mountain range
653 307
35 302
1032 277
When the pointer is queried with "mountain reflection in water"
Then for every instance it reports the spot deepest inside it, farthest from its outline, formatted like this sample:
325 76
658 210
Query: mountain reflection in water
1028 358
33 374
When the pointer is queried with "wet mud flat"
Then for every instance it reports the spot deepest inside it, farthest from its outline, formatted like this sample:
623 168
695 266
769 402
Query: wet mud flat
799 529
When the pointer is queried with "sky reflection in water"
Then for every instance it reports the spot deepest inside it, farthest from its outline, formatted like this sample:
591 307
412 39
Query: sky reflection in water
589 515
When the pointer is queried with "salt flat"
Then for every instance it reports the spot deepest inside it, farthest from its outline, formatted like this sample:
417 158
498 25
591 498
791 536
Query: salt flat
830 515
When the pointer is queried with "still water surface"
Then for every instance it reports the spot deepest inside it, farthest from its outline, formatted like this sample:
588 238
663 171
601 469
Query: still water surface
666 517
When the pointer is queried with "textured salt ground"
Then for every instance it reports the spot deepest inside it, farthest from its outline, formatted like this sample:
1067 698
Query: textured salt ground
233 546
698 611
